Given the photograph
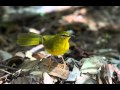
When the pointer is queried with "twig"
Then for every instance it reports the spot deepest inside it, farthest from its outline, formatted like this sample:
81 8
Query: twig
14 74
5 76
33 50
4 66
5 71
17 73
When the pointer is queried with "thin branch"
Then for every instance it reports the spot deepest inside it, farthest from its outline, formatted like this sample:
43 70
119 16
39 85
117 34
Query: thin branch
5 76
5 71
4 66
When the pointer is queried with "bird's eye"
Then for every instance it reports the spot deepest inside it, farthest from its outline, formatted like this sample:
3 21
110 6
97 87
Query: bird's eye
63 35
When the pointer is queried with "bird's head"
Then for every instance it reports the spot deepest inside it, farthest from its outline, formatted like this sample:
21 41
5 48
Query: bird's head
64 35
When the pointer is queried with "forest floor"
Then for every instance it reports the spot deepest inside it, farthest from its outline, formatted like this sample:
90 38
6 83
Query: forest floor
93 58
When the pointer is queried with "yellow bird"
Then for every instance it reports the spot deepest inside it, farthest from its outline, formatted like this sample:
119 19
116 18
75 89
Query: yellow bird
56 45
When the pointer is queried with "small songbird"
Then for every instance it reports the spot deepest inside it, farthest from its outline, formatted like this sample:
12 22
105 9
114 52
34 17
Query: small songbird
56 45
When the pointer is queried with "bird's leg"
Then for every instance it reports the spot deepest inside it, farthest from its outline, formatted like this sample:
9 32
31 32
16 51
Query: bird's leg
49 63
64 63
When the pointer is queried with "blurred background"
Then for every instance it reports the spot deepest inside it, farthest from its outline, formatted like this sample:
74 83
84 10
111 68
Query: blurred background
96 28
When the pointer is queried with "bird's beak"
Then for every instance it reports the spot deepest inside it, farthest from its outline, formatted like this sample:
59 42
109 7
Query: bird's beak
72 35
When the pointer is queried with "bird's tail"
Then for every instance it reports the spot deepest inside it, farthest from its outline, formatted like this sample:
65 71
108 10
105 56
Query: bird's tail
29 39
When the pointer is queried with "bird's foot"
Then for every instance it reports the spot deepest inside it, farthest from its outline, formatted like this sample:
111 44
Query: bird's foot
62 66
64 63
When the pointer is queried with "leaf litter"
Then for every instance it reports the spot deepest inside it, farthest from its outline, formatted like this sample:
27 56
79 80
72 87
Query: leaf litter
93 57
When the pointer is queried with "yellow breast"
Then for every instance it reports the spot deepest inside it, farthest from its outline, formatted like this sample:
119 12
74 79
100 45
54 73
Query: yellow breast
56 45
60 50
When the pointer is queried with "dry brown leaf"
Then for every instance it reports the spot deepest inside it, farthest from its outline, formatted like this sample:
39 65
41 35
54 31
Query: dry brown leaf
1 82
39 55
58 71
74 18
98 79
105 75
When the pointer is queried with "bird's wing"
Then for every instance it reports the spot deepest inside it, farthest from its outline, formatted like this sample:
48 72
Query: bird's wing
47 41
46 38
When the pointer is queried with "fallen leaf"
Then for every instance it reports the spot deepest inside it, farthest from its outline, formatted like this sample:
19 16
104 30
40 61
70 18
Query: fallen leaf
29 55
1 82
73 74
21 80
58 71
20 54
74 18
92 64
82 79
47 79
39 55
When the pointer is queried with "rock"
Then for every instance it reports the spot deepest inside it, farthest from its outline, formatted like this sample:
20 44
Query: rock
92 64
47 79
20 54
73 74
5 55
